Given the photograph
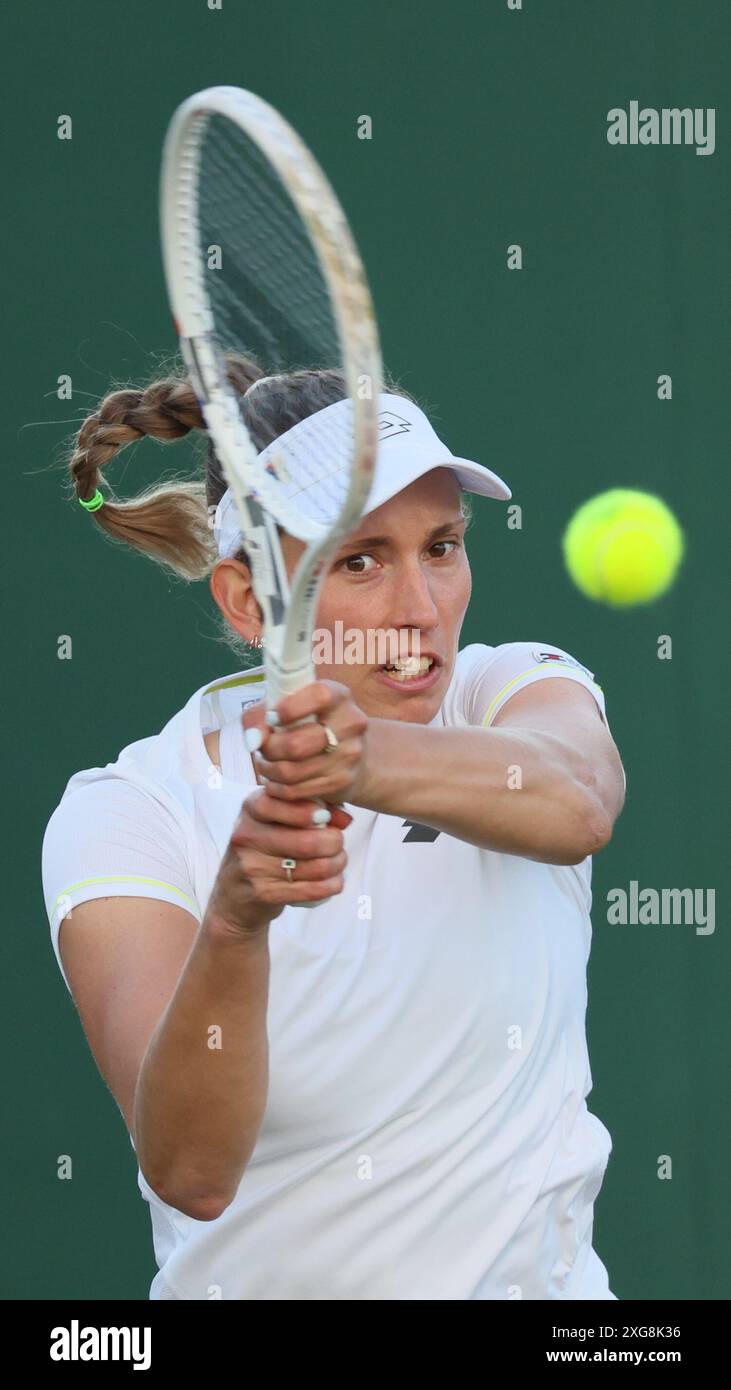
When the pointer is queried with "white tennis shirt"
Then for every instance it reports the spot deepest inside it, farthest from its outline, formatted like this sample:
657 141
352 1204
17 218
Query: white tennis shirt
426 1134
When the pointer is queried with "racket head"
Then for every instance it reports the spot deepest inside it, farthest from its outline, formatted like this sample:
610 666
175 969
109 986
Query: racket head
259 258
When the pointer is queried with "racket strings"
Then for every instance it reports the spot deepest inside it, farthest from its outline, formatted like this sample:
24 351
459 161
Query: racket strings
268 293
269 298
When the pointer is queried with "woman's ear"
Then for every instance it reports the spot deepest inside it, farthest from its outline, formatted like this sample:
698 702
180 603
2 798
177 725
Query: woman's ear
233 592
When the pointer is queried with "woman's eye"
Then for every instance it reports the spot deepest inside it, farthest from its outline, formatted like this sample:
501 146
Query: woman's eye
364 563
355 560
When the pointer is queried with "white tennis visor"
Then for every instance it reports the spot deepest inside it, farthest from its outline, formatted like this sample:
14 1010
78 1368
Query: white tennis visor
310 460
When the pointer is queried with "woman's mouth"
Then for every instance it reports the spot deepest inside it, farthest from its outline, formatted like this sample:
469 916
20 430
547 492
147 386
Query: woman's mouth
411 672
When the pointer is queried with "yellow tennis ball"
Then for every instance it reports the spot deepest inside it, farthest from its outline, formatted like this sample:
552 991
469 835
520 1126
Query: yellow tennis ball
623 547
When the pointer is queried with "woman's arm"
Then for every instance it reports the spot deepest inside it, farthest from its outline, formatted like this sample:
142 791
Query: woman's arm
150 983
202 1086
175 1011
544 782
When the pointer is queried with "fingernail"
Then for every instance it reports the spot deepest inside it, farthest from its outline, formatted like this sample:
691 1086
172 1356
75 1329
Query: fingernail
321 816
272 718
254 739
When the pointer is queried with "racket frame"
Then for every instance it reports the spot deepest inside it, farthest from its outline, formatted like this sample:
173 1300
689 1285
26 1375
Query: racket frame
289 609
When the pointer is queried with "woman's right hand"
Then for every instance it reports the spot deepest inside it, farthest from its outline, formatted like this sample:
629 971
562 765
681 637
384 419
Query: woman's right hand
251 887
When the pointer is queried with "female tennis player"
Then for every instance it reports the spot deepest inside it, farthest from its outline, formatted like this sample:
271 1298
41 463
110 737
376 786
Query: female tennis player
383 1097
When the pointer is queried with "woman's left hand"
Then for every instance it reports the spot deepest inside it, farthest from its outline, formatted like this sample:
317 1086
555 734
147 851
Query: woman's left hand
294 763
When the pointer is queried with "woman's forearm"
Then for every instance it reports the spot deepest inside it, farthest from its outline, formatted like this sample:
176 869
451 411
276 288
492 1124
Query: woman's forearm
520 793
202 1086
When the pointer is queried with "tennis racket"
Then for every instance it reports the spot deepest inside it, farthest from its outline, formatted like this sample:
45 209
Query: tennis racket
259 258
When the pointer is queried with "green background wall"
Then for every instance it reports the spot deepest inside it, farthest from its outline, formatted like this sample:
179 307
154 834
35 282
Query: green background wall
488 129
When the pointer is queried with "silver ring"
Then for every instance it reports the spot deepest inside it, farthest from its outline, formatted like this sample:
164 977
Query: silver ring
289 865
332 739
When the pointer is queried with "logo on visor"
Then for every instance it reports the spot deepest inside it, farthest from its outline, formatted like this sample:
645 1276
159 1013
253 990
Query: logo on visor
390 424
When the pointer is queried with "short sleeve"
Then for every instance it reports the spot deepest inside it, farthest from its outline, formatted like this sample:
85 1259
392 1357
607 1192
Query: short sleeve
111 838
494 674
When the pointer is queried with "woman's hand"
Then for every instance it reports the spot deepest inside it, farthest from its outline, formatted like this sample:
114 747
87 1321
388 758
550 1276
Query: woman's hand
252 887
294 762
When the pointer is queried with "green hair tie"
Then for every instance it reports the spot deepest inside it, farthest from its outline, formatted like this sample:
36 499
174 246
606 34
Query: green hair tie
94 503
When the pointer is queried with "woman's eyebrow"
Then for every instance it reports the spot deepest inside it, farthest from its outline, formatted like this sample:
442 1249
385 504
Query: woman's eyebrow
367 541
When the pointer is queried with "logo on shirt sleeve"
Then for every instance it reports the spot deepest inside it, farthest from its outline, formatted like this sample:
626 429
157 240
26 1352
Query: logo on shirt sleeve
559 659
253 700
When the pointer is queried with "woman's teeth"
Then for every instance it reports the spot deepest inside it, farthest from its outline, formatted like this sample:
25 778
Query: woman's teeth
409 667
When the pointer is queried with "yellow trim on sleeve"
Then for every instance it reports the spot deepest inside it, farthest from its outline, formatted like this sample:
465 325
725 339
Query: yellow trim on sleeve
233 681
545 671
125 878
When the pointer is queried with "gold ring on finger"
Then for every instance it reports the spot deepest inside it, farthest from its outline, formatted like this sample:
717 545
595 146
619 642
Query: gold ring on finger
331 737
